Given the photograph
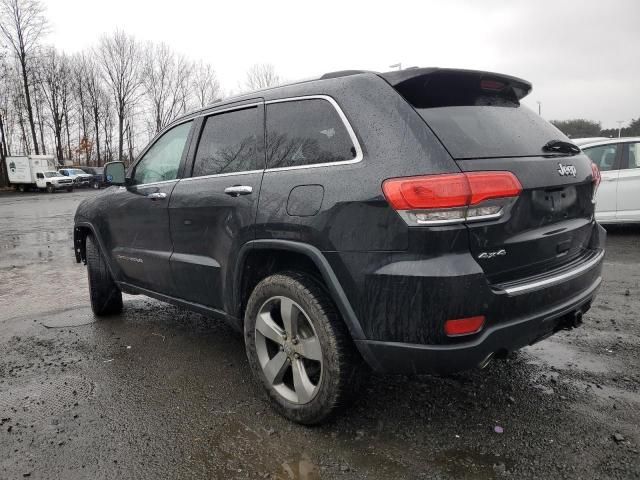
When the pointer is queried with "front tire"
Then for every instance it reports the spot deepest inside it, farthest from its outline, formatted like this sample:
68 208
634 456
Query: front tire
70 189
300 349
50 189
106 298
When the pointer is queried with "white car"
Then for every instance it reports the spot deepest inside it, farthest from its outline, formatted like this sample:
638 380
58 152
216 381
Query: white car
618 197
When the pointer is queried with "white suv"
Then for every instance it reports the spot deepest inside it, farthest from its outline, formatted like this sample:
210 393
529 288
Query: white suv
618 198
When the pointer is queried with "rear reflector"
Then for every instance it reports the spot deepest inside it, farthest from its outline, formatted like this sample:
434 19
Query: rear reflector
452 197
463 326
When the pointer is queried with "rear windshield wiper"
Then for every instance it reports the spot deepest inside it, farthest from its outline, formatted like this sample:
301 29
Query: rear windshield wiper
559 146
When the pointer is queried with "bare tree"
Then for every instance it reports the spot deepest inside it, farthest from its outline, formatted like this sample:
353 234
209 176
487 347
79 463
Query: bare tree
166 84
97 98
119 56
22 23
204 85
262 75
55 76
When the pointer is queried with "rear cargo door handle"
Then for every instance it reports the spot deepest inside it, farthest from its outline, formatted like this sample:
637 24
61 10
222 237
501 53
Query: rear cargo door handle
238 190
157 195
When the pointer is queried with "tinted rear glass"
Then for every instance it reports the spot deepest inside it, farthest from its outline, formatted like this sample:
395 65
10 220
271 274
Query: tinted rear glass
478 116
490 131
306 132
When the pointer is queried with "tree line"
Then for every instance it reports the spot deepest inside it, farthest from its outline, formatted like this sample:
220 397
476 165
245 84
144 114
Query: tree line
102 104
581 128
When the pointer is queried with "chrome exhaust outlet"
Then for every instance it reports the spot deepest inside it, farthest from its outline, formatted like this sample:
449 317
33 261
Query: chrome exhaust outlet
486 361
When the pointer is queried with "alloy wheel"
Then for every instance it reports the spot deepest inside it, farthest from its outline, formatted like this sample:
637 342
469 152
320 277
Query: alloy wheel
288 350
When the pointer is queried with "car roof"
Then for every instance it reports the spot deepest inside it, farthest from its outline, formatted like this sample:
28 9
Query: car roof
310 85
610 141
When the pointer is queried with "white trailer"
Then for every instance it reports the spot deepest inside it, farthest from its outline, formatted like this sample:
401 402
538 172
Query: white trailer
36 171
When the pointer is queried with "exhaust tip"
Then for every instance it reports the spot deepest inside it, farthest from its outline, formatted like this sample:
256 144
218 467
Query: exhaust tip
577 319
486 361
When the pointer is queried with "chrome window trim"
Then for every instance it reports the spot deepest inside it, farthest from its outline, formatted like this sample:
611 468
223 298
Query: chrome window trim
215 175
359 155
162 182
548 282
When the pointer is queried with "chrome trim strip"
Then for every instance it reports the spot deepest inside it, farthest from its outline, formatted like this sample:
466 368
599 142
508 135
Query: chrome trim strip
228 109
215 175
154 183
352 134
547 282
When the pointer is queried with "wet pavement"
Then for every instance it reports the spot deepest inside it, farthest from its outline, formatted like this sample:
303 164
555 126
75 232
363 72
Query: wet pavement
159 392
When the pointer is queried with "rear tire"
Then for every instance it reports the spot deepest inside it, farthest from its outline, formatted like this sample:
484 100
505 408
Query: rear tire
106 298
70 189
21 188
285 357
95 185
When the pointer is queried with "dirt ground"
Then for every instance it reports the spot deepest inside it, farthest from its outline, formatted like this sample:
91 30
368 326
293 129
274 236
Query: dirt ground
159 392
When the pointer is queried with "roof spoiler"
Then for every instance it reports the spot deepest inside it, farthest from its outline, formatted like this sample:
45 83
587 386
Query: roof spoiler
399 79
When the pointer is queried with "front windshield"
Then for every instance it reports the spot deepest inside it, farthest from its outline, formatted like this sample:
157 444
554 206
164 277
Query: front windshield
77 171
51 174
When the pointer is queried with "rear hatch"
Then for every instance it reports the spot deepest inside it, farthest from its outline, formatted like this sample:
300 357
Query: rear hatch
479 119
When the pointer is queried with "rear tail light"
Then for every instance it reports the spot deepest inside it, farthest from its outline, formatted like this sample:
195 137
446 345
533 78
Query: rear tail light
463 326
595 174
452 197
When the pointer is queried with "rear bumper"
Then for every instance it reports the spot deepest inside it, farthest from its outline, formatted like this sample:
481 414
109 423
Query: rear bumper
410 358
408 302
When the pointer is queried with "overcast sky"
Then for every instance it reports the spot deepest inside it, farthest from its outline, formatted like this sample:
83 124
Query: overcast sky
582 56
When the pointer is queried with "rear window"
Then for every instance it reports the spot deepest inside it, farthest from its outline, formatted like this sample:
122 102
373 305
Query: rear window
306 132
474 119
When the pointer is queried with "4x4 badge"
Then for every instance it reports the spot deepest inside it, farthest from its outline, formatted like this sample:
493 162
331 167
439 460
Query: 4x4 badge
565 170
497 253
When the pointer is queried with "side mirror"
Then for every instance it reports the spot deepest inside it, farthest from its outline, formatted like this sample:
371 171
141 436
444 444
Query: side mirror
114 173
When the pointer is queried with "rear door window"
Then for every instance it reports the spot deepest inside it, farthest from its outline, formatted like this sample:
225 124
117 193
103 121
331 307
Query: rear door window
306 132
604 156
228 143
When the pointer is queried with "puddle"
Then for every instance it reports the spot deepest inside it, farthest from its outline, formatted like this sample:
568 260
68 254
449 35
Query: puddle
300 468
75 317
564 357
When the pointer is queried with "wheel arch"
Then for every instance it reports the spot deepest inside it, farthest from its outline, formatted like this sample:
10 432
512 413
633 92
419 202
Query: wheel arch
80 232
311 257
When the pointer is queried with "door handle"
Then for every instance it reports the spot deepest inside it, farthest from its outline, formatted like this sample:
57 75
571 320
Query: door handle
238 190
157 195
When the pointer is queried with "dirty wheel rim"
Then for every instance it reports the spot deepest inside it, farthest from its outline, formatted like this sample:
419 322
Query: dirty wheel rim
288 350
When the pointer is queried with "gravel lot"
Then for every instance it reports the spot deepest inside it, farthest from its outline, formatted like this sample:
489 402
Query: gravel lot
159 392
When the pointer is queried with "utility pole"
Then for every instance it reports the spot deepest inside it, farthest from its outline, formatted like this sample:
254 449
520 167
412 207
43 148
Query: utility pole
396 65
619 122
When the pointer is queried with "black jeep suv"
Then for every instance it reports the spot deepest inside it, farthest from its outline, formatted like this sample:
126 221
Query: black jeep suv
413 221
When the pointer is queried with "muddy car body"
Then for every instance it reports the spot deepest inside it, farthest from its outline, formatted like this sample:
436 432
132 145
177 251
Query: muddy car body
417 221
